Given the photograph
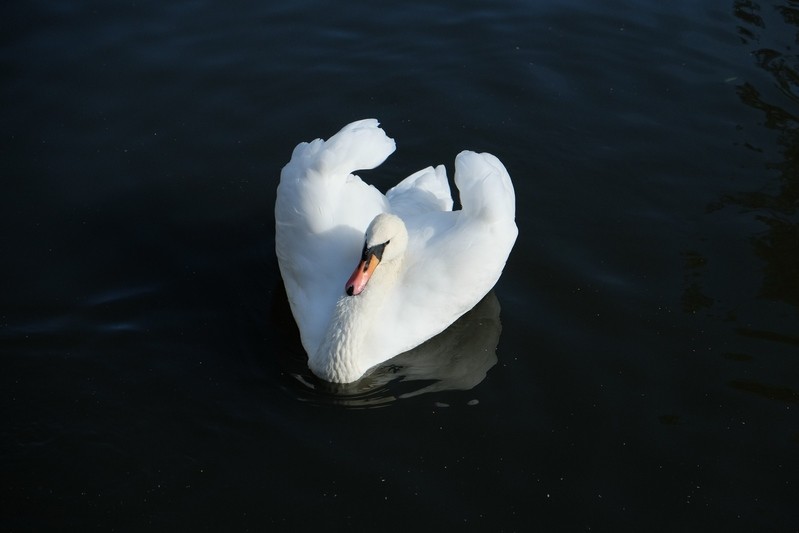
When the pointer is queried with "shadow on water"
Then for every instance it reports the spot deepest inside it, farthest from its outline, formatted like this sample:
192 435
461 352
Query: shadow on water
456 359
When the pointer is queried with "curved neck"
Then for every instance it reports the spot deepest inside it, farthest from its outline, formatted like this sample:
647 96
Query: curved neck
339 358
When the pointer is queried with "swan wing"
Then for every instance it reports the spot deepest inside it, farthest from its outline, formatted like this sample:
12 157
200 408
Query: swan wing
321 213
454 258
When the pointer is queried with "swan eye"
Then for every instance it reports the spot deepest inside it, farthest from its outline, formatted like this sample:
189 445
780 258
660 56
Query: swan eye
376 250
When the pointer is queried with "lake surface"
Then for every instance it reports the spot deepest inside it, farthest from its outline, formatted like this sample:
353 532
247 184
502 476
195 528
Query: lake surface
646 370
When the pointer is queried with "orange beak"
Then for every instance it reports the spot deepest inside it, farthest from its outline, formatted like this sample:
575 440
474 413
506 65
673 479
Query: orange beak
360 277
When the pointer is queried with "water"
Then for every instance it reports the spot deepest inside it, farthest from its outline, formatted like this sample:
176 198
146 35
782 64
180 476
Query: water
645 376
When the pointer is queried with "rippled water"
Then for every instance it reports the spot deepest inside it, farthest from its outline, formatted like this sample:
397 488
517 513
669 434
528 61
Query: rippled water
634 369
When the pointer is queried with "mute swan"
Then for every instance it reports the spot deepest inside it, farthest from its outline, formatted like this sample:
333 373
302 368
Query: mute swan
420 265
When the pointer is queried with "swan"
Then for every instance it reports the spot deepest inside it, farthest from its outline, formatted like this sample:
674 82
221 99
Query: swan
418 265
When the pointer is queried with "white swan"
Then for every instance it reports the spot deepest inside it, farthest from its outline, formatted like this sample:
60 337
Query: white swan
421 266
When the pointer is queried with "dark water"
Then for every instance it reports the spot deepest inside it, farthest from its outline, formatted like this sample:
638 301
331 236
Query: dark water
647 371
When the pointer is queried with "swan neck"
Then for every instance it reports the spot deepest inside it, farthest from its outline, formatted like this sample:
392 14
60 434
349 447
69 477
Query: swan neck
340 357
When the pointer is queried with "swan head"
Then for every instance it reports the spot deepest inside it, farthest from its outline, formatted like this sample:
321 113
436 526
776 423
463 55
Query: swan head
385 242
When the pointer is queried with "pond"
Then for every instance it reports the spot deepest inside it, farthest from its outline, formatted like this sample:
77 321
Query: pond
635 367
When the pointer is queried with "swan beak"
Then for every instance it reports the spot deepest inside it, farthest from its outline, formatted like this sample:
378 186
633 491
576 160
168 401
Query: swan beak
363 272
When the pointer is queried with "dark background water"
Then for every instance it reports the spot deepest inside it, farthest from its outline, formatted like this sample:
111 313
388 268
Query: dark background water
647 374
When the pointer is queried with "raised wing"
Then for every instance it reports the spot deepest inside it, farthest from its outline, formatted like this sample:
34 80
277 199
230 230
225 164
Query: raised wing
455 257
321 213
